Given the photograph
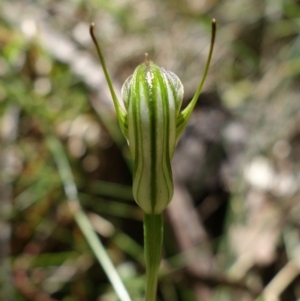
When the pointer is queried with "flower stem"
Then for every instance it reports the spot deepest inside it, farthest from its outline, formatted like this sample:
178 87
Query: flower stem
153 233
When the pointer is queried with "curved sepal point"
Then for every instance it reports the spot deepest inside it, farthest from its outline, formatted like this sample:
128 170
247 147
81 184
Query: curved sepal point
184 116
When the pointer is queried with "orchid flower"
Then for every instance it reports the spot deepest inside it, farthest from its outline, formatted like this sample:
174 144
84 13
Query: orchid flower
152 122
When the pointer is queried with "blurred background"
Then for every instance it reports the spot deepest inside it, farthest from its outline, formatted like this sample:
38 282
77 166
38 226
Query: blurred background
232 229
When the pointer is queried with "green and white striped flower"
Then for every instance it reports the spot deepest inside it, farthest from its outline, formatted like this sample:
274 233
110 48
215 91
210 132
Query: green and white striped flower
152 98
152 124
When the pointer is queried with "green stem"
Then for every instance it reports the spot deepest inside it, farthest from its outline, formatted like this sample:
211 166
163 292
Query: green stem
153 233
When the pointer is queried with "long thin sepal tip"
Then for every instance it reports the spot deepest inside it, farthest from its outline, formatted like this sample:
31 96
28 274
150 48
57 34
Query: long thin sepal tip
186 113
92 26
214 30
